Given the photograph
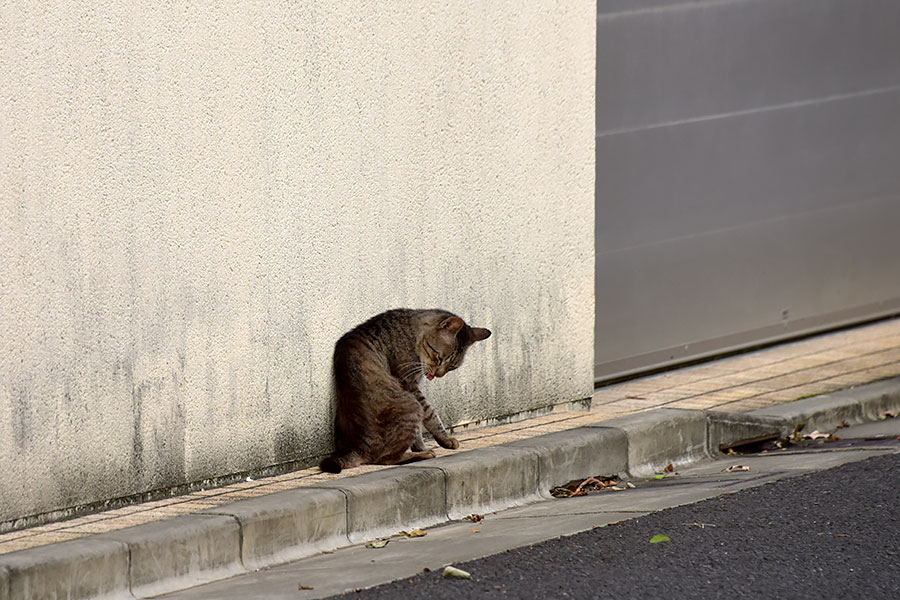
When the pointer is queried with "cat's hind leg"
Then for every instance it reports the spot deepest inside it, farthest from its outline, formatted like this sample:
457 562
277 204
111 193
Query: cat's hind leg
405 432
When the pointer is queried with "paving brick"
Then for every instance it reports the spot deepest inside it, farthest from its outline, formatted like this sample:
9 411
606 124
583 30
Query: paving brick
605 397
737 393
891 370
664 396
613 413
748 404
698 403
173 510
18 544
635 403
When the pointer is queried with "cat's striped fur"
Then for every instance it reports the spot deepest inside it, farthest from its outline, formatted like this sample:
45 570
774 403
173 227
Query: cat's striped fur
377 369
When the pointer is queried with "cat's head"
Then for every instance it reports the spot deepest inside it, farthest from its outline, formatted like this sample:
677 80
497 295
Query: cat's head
444 344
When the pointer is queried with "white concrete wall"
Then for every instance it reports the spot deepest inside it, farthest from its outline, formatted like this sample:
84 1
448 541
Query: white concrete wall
196 201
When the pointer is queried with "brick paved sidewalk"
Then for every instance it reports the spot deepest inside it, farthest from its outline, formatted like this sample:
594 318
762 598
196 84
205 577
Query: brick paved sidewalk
745 382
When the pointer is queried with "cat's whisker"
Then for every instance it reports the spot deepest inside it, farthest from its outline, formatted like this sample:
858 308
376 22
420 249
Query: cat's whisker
406 370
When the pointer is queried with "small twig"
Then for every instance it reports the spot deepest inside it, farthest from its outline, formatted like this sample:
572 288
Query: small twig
577 491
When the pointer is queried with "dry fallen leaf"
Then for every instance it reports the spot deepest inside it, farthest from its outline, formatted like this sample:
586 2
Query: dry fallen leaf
413 534
300 586
457 573
579 491
475 518
816 435
734 468
582 487
377 543
670 468
475 530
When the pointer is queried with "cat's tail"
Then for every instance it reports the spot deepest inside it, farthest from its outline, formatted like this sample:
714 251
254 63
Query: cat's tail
337 462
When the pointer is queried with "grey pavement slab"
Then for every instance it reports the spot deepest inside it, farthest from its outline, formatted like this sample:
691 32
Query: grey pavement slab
887 428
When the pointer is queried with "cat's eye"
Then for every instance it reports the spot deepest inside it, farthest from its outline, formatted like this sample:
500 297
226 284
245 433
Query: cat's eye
437 354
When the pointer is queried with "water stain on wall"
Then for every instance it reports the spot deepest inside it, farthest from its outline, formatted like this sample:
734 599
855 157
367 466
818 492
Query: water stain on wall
22 431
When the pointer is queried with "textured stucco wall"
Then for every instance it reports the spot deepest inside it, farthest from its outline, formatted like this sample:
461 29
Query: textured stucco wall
196 201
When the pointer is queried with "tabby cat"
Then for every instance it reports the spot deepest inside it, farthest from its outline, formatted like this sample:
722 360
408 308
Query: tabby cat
377 370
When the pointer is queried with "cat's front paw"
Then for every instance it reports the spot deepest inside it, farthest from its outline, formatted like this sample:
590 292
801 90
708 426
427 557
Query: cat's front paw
450 443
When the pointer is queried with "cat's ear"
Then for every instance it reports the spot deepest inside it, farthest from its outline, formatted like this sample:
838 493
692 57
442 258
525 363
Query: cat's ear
480 333
452 324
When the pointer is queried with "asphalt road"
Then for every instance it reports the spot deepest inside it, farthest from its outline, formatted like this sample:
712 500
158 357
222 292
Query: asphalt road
827 534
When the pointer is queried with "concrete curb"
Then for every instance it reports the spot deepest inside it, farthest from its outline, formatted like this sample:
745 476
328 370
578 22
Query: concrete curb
252 534
288 525
854 405
180 552
87 568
